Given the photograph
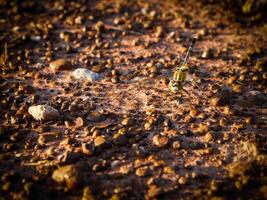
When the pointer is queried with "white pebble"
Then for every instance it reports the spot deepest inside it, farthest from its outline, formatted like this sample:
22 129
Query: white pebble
43 112
86 74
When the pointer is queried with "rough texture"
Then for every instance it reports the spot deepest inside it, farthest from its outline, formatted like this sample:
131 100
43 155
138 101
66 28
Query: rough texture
67 175
209 140
60 64
86 75
43 112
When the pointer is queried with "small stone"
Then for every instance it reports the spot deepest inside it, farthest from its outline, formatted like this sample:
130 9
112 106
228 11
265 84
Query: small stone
120 139
176 145
182 180
114 79
261 64
153 191
223 122
28 187
256 98
79 122
6 186
237 88
160 140
98 68
148 126
168 170
207 54
210 136
47 137
115 72
99 26
60 64
85 74
100 166
87 194
68 157
196 145
43 112
125 169
222 98
115 163
203 128
127 121
159 31
67 175
96 117
73 107
99 141
88 148
193 112
141 171
78 20
226 136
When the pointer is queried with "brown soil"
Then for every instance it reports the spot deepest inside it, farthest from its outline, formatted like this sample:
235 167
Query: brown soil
213 139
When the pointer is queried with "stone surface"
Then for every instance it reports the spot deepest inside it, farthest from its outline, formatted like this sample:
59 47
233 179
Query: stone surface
85 74
67 175
96 117
207 54
99 140
60 64
176 145
120 139
80 122
160 140
88 148
43 112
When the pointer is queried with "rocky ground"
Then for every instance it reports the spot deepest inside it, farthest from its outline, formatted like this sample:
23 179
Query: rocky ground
86 111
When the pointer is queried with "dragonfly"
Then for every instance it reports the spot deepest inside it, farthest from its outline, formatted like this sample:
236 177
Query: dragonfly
176 84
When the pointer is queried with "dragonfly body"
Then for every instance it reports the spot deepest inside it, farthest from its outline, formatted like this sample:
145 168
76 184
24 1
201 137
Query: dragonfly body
179 77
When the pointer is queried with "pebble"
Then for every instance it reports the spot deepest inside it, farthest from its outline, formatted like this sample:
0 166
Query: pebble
207 54
160 140
68 157
237 88
43 112
182 180
148 126
88 148
79 122
256 98
98 68
203 128
99 141
60 64
176 145
127 121
47 137
115 163
85 74
120 139
141 171
96 117
67 175
223 97
210 136
87 194
100 166
99 26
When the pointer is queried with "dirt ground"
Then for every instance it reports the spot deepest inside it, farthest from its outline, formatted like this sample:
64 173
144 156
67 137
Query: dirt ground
126 136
